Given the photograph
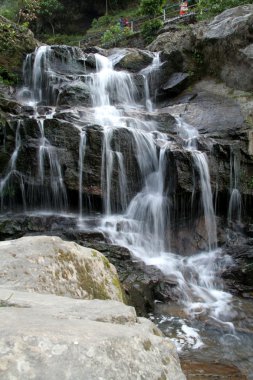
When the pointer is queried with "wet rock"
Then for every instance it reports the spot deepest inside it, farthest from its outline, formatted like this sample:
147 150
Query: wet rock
176 83
74 93
195 370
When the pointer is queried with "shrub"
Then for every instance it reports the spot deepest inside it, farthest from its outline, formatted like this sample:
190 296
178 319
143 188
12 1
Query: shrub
101 22
151 7
207 8
149 29
114 34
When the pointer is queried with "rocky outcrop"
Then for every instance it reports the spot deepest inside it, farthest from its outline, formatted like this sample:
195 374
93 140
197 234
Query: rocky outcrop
50 265
15 42
221 48
134 60
59 336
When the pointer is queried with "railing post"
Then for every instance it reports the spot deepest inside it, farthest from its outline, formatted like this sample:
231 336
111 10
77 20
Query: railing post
132 26
164 14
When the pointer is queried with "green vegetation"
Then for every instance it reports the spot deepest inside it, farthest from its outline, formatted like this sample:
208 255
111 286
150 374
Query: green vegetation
66 21
114 34
151 9
209 8
149 29
62 39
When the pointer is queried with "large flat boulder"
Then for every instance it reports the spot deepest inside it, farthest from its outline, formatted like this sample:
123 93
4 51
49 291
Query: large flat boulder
47 264
52 337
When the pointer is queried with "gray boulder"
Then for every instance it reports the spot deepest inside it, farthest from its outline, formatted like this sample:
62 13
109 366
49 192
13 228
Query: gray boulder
50 265
226 47
50 337
134 60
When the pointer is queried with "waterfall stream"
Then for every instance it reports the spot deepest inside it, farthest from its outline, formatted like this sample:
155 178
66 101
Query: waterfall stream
138 215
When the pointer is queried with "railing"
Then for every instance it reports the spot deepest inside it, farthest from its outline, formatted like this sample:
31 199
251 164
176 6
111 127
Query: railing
135 24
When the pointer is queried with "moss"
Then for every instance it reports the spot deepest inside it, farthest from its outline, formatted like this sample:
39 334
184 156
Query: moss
94 253
166 360
85 275
163 376
121 292
106 262
147 345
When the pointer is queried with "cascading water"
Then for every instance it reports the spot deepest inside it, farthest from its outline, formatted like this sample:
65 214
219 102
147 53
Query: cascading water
12 174
144 228
56 197
138 219
190 136
235 202
82 146
148 73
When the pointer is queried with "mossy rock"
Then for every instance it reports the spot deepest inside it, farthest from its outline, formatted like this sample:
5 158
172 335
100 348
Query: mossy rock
15 42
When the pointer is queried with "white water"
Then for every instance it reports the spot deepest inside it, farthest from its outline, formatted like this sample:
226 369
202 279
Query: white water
148 73
190 136
12 174
82 146
54 195
235 201
144 227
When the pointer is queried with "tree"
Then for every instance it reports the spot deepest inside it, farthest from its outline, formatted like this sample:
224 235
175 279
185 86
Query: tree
49 10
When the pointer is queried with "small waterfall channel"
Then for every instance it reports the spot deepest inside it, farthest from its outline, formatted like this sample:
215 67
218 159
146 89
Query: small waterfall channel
137 212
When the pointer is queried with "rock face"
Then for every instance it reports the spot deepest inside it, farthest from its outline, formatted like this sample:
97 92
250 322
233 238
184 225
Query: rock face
50 265
221 48
66 338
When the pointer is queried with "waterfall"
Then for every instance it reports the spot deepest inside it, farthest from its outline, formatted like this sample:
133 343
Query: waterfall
148 73
82 146
235 202
42 79
55 197
8 182
138 218
190 136
143 225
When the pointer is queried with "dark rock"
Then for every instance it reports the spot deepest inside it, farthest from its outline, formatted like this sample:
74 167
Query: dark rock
134 60
74 93
176 83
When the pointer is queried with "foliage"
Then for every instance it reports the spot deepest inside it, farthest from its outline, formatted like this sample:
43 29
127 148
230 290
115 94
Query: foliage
62 39
149 29
207 8
102 21
48 11
114 34
28 10
6 77
49 8
151 7
9 9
